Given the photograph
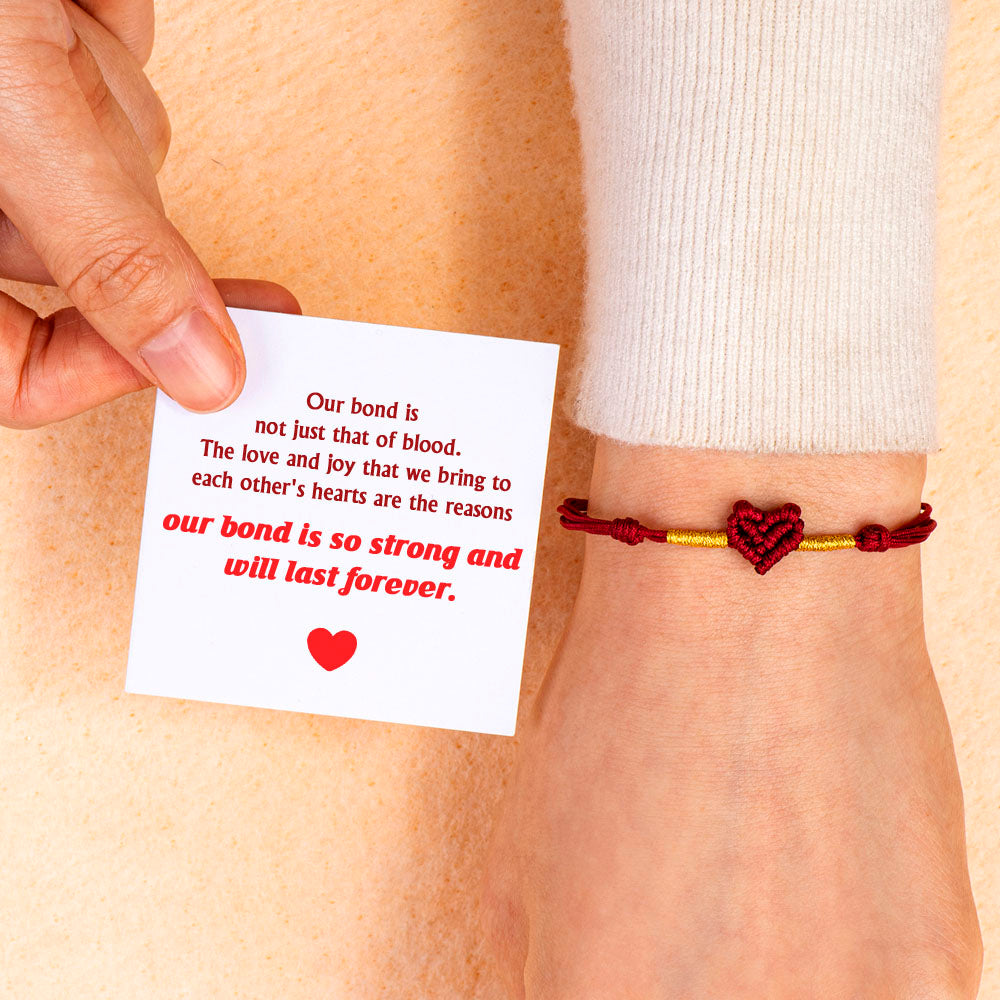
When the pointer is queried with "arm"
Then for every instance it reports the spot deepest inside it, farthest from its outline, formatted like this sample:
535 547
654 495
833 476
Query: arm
731 785
728 785
760 198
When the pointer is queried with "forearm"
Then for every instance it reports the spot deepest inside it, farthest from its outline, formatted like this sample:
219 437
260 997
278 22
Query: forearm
806 610
723 772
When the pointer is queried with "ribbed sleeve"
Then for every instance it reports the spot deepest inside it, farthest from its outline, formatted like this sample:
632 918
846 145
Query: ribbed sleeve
760 194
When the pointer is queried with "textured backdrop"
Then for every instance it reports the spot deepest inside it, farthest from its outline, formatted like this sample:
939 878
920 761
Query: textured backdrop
412 163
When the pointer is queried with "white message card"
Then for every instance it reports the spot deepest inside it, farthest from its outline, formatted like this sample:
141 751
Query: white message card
356 534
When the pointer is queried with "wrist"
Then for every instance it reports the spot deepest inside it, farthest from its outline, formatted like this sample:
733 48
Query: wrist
825 598
697 487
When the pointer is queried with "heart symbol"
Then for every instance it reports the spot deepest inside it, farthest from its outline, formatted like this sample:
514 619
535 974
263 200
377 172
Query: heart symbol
331 651
764 537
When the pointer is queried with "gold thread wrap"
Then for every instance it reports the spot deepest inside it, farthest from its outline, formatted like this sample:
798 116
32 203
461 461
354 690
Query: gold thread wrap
825 543
719 540
703 539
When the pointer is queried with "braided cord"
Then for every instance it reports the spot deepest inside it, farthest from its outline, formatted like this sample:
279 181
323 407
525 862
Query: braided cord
871 538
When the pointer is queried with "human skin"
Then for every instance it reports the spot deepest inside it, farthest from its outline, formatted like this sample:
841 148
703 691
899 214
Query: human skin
728 786
733 785
82 134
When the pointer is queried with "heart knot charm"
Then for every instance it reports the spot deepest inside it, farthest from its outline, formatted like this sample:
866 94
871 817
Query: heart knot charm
764 536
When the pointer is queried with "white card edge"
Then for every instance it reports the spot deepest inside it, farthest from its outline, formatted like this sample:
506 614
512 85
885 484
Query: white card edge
553 350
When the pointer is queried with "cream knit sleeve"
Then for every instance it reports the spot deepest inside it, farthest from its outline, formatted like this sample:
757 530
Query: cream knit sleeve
759 181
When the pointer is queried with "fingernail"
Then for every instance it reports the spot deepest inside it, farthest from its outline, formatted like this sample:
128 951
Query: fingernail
192 362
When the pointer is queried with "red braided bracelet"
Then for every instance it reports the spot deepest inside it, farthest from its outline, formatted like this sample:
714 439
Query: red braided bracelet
762 537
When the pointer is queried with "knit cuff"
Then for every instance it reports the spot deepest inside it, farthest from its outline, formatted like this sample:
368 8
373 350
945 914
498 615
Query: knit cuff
760 196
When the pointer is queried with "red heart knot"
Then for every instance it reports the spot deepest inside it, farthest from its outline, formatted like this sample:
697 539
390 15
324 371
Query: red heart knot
764 537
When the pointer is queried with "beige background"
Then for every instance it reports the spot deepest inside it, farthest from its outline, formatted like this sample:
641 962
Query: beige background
412 163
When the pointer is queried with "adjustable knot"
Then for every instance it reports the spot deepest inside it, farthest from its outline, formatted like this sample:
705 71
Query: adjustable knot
873 538
627 530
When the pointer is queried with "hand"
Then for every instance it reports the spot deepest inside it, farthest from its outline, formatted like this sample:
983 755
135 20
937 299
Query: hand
82 134
735 786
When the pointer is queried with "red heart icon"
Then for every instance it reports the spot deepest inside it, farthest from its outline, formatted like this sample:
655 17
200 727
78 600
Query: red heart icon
331 651
764 536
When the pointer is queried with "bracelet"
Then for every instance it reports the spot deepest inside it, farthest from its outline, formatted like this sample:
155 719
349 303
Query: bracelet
761 536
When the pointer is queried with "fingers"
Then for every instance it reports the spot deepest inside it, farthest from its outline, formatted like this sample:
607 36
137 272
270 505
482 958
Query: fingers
129 115
122 264
56 367
131 21
114 124
18 259
127 82
245 294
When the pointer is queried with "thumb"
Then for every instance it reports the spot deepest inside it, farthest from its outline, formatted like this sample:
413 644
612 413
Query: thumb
122 264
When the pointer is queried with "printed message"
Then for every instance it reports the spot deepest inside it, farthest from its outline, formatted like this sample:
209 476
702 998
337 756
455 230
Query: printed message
356 534
384 469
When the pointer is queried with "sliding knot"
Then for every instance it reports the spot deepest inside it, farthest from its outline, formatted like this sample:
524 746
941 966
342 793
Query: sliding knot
873 538
627 530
